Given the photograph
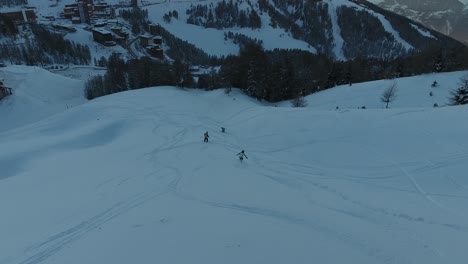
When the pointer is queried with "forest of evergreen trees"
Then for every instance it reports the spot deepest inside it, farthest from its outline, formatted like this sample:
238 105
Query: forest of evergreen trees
136 74
273 75
136 17
226 14
44 48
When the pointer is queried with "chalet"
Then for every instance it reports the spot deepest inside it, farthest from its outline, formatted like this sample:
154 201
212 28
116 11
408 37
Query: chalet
23 16
155 51
154 29
152 43
103 36
69 11
146 40
195 70
119 32
83 10
76 20
157 40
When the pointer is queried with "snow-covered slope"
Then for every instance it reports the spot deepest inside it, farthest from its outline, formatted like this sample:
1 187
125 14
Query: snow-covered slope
337 28
212 40
449 17
37 94
127 179
411 92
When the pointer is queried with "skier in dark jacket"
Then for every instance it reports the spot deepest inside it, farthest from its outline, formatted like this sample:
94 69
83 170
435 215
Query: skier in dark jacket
241 155
206 136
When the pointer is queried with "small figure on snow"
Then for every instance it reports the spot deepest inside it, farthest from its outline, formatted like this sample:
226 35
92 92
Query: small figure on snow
223 129
206 136
241 155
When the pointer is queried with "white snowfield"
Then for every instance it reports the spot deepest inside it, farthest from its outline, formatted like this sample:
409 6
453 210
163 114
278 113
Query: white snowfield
127 178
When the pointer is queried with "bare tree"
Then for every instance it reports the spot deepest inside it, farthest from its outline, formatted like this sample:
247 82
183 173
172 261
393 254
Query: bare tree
389 94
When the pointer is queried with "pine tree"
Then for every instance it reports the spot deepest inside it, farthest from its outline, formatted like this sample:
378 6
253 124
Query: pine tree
460 96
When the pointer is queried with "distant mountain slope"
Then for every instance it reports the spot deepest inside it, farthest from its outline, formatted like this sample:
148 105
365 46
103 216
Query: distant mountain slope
340 28
449 16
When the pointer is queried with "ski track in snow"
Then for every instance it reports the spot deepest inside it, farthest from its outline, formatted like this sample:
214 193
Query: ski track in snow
338 40
42 251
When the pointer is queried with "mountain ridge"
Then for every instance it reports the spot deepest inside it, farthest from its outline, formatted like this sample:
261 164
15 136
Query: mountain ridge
448 17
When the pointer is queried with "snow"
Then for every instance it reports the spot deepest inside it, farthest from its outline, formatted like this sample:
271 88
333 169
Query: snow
84 37
385 23
212 40
37 94
423 32
411 92
338 40
127 178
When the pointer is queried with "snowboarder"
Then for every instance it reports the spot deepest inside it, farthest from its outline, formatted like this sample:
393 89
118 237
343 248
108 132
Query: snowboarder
241 155
223 130
206 136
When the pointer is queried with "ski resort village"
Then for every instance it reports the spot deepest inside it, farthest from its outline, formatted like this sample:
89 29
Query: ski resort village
233 131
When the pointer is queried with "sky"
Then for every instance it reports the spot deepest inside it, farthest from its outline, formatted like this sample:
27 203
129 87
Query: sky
127 178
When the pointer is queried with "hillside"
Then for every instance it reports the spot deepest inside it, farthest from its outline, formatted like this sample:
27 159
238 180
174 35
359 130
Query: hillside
449 17
341 29
126 178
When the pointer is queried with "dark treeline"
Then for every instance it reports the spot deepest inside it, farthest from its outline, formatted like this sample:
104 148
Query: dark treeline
279 74
136 17
241 39
45 48
225 14
61 50
284 74
136 74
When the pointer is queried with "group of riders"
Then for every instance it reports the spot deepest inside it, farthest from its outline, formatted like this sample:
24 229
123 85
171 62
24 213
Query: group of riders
241 154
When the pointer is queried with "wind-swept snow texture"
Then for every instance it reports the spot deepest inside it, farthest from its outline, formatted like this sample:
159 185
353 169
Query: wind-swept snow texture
127 178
